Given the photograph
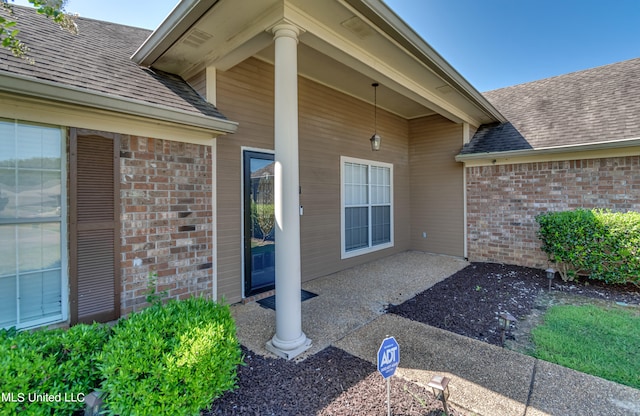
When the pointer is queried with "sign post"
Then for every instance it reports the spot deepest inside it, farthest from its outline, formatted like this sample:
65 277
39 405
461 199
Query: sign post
388 360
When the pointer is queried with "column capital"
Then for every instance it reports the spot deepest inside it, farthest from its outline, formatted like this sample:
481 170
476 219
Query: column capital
285 28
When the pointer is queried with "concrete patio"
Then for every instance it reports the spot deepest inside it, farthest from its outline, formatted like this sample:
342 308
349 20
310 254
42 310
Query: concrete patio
348 313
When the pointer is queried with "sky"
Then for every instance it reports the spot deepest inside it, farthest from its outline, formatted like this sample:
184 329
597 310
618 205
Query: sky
491 43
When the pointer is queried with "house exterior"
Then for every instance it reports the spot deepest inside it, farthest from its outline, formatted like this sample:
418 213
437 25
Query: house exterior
105 174
572 141
227 153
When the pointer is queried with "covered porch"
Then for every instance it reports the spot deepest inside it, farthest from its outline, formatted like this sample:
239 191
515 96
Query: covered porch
297 76
349 299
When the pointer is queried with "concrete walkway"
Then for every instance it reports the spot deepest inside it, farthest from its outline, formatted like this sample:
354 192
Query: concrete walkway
485 379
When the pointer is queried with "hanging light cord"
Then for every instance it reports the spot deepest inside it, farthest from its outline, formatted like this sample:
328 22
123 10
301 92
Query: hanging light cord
375 107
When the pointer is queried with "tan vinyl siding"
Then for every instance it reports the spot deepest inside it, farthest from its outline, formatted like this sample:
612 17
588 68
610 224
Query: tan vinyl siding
331 124
437 196
245 95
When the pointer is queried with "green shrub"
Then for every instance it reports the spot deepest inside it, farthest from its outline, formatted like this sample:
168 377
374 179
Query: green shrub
59 363
597 243
170 360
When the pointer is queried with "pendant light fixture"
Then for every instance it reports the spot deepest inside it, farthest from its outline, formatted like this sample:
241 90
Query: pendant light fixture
375 139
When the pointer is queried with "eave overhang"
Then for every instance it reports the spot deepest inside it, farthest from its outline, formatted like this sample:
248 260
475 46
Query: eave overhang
177 23
394 26
616 148
55 92
408 69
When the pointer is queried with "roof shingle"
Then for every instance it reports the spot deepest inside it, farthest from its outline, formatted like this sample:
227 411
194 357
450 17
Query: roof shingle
596 105
97 59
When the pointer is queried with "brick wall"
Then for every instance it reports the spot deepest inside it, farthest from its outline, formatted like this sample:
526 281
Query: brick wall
503 201
166 217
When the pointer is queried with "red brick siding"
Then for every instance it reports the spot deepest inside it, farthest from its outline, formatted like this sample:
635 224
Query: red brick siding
503 201
166 218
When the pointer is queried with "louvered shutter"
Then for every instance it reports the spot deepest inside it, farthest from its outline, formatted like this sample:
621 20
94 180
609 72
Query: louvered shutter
94 226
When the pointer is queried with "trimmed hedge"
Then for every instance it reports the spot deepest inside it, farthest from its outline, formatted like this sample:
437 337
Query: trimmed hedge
600 244
172 359
60 364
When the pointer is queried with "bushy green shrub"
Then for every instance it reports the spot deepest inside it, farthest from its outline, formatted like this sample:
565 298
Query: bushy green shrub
60 364
601 244
172 359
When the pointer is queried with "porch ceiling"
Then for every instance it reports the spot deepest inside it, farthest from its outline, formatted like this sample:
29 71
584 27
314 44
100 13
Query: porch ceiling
344 44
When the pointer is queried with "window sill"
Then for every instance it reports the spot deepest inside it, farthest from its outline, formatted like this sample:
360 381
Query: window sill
366 250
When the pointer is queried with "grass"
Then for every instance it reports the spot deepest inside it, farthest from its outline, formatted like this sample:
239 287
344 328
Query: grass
595 340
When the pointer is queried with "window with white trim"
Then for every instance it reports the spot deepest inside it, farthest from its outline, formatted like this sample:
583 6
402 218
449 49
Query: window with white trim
367 207
32 225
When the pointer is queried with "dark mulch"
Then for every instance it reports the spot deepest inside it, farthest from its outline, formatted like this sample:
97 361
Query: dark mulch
331 382
334 382
469 302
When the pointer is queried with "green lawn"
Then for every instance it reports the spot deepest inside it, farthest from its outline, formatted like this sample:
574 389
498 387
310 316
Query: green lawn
600 341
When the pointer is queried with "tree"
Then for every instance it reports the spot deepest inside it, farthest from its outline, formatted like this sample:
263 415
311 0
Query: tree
52 9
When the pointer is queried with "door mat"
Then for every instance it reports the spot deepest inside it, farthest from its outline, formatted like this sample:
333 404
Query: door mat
270 302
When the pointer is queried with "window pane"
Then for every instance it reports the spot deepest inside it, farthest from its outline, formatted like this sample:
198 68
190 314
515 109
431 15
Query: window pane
31 186
8 250
380 225
355 187
7 193
380 185
39 246
356 228
40 295
8 301
39 147
7 144
38 193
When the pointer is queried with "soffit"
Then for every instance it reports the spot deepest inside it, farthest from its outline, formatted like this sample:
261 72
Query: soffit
340 47
325 70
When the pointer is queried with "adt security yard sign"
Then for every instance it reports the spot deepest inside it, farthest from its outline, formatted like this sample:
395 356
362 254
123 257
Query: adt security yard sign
388 360
388 357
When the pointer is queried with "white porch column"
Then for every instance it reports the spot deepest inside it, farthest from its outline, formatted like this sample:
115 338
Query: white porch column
289 340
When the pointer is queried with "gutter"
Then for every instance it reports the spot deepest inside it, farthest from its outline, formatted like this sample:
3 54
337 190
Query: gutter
49 90
512 154
385 18
179 20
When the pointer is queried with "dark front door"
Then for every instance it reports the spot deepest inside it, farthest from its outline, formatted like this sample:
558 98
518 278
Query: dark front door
259 223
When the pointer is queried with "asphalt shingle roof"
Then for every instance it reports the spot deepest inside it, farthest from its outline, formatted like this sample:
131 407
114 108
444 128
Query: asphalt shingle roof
596 105
97 59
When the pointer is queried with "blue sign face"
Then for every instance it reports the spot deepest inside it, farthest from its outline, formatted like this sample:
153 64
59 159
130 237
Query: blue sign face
388 357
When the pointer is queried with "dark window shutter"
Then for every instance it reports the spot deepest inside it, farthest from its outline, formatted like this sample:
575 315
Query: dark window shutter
94 226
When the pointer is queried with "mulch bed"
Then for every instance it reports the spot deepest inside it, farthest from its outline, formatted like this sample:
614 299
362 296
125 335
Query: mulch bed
329 383
469 302
333 382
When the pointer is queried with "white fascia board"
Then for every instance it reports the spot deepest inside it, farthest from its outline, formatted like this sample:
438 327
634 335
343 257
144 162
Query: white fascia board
179 20
73 95
514 156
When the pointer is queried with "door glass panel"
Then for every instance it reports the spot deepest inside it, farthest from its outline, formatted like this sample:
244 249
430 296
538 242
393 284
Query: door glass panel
260 223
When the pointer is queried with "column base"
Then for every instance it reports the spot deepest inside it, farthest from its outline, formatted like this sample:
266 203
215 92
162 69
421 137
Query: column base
288 350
